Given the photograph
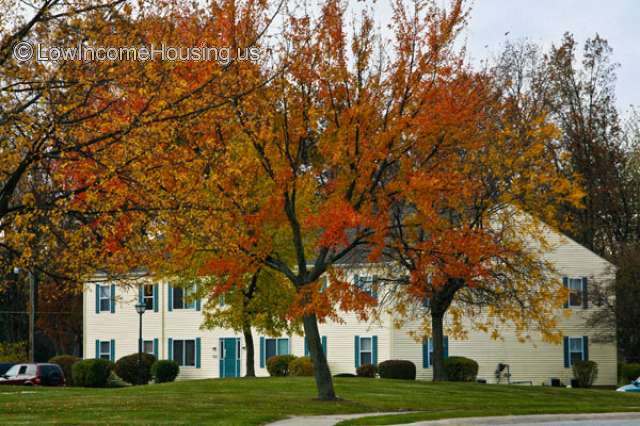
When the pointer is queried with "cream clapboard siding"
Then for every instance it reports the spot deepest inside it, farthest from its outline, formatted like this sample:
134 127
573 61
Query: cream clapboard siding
122 327
534 361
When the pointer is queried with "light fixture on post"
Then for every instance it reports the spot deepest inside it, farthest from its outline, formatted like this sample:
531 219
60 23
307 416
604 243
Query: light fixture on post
140 308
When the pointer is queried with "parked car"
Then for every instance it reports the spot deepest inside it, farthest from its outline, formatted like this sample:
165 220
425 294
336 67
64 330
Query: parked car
632 387
33 374
4 366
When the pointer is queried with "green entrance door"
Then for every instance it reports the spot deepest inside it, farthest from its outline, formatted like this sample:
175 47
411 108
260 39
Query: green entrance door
230 357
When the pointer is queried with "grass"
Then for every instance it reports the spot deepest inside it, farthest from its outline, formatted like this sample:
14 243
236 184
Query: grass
258 401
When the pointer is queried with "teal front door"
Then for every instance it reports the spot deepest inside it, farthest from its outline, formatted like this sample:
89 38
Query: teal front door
230 357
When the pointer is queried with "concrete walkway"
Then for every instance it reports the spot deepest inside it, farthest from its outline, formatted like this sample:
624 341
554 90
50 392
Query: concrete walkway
603 419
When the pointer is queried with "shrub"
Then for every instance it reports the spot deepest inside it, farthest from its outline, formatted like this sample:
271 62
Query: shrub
344 375
127 368
165 371
367 370
397 369
460 369
302 366
630 372
585 372
92 373
13 352
279 365
66 362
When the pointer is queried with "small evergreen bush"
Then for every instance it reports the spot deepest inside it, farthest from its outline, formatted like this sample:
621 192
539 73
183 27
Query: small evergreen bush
66 362
92 373
397 369
630 372
460 369
279 365
127 368
165 371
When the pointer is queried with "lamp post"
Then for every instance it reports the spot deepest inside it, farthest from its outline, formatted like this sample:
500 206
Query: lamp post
140 308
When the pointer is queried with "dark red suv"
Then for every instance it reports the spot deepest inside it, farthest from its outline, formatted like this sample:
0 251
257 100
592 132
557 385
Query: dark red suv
33 374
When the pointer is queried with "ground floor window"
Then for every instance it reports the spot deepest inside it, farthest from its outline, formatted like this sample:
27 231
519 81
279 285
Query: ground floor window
366 351
105 349
148 347
275 347
184 352
576 350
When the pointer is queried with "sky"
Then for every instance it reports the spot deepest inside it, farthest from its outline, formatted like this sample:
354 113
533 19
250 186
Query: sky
545 21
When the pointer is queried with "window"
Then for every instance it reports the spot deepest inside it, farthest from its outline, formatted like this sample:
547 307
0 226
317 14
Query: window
183 298
576 349
427 351
147 347
104 350
275 347
147 296
366 351
365 283
184 352
104 297
575 291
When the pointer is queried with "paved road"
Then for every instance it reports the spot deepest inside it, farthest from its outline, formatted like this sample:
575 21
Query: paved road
606 419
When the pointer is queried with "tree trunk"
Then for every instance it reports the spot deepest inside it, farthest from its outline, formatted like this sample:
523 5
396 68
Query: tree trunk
324 381
248 342
437 336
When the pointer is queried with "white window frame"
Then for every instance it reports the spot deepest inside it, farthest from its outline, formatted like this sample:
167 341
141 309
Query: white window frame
102 297
153 347
277 341
361 351
365 283
182 363
187 293
104 355
571 351
146 297
571 282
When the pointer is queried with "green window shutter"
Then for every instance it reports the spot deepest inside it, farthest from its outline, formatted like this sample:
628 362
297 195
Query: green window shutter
221 358
585 293
324 345
97 349
262 351
155 298
169 297
429 350
356 350
113 298
112 355
446 347
140 293
170 349
155 348
198 351
97 298
567 361
425 353
374 288
565 283
198 306
306 346
585 348
374 349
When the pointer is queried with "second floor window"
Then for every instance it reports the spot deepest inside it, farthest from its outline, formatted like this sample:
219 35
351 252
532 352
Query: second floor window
575 292
147 296
183 298
366 284
104 292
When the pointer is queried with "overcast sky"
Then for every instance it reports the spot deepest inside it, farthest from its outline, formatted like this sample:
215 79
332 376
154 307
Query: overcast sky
545 21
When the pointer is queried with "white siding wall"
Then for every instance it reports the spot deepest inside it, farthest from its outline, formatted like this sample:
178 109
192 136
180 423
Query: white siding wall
536 361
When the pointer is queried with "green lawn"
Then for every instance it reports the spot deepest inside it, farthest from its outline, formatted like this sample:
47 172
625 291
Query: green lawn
257 401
